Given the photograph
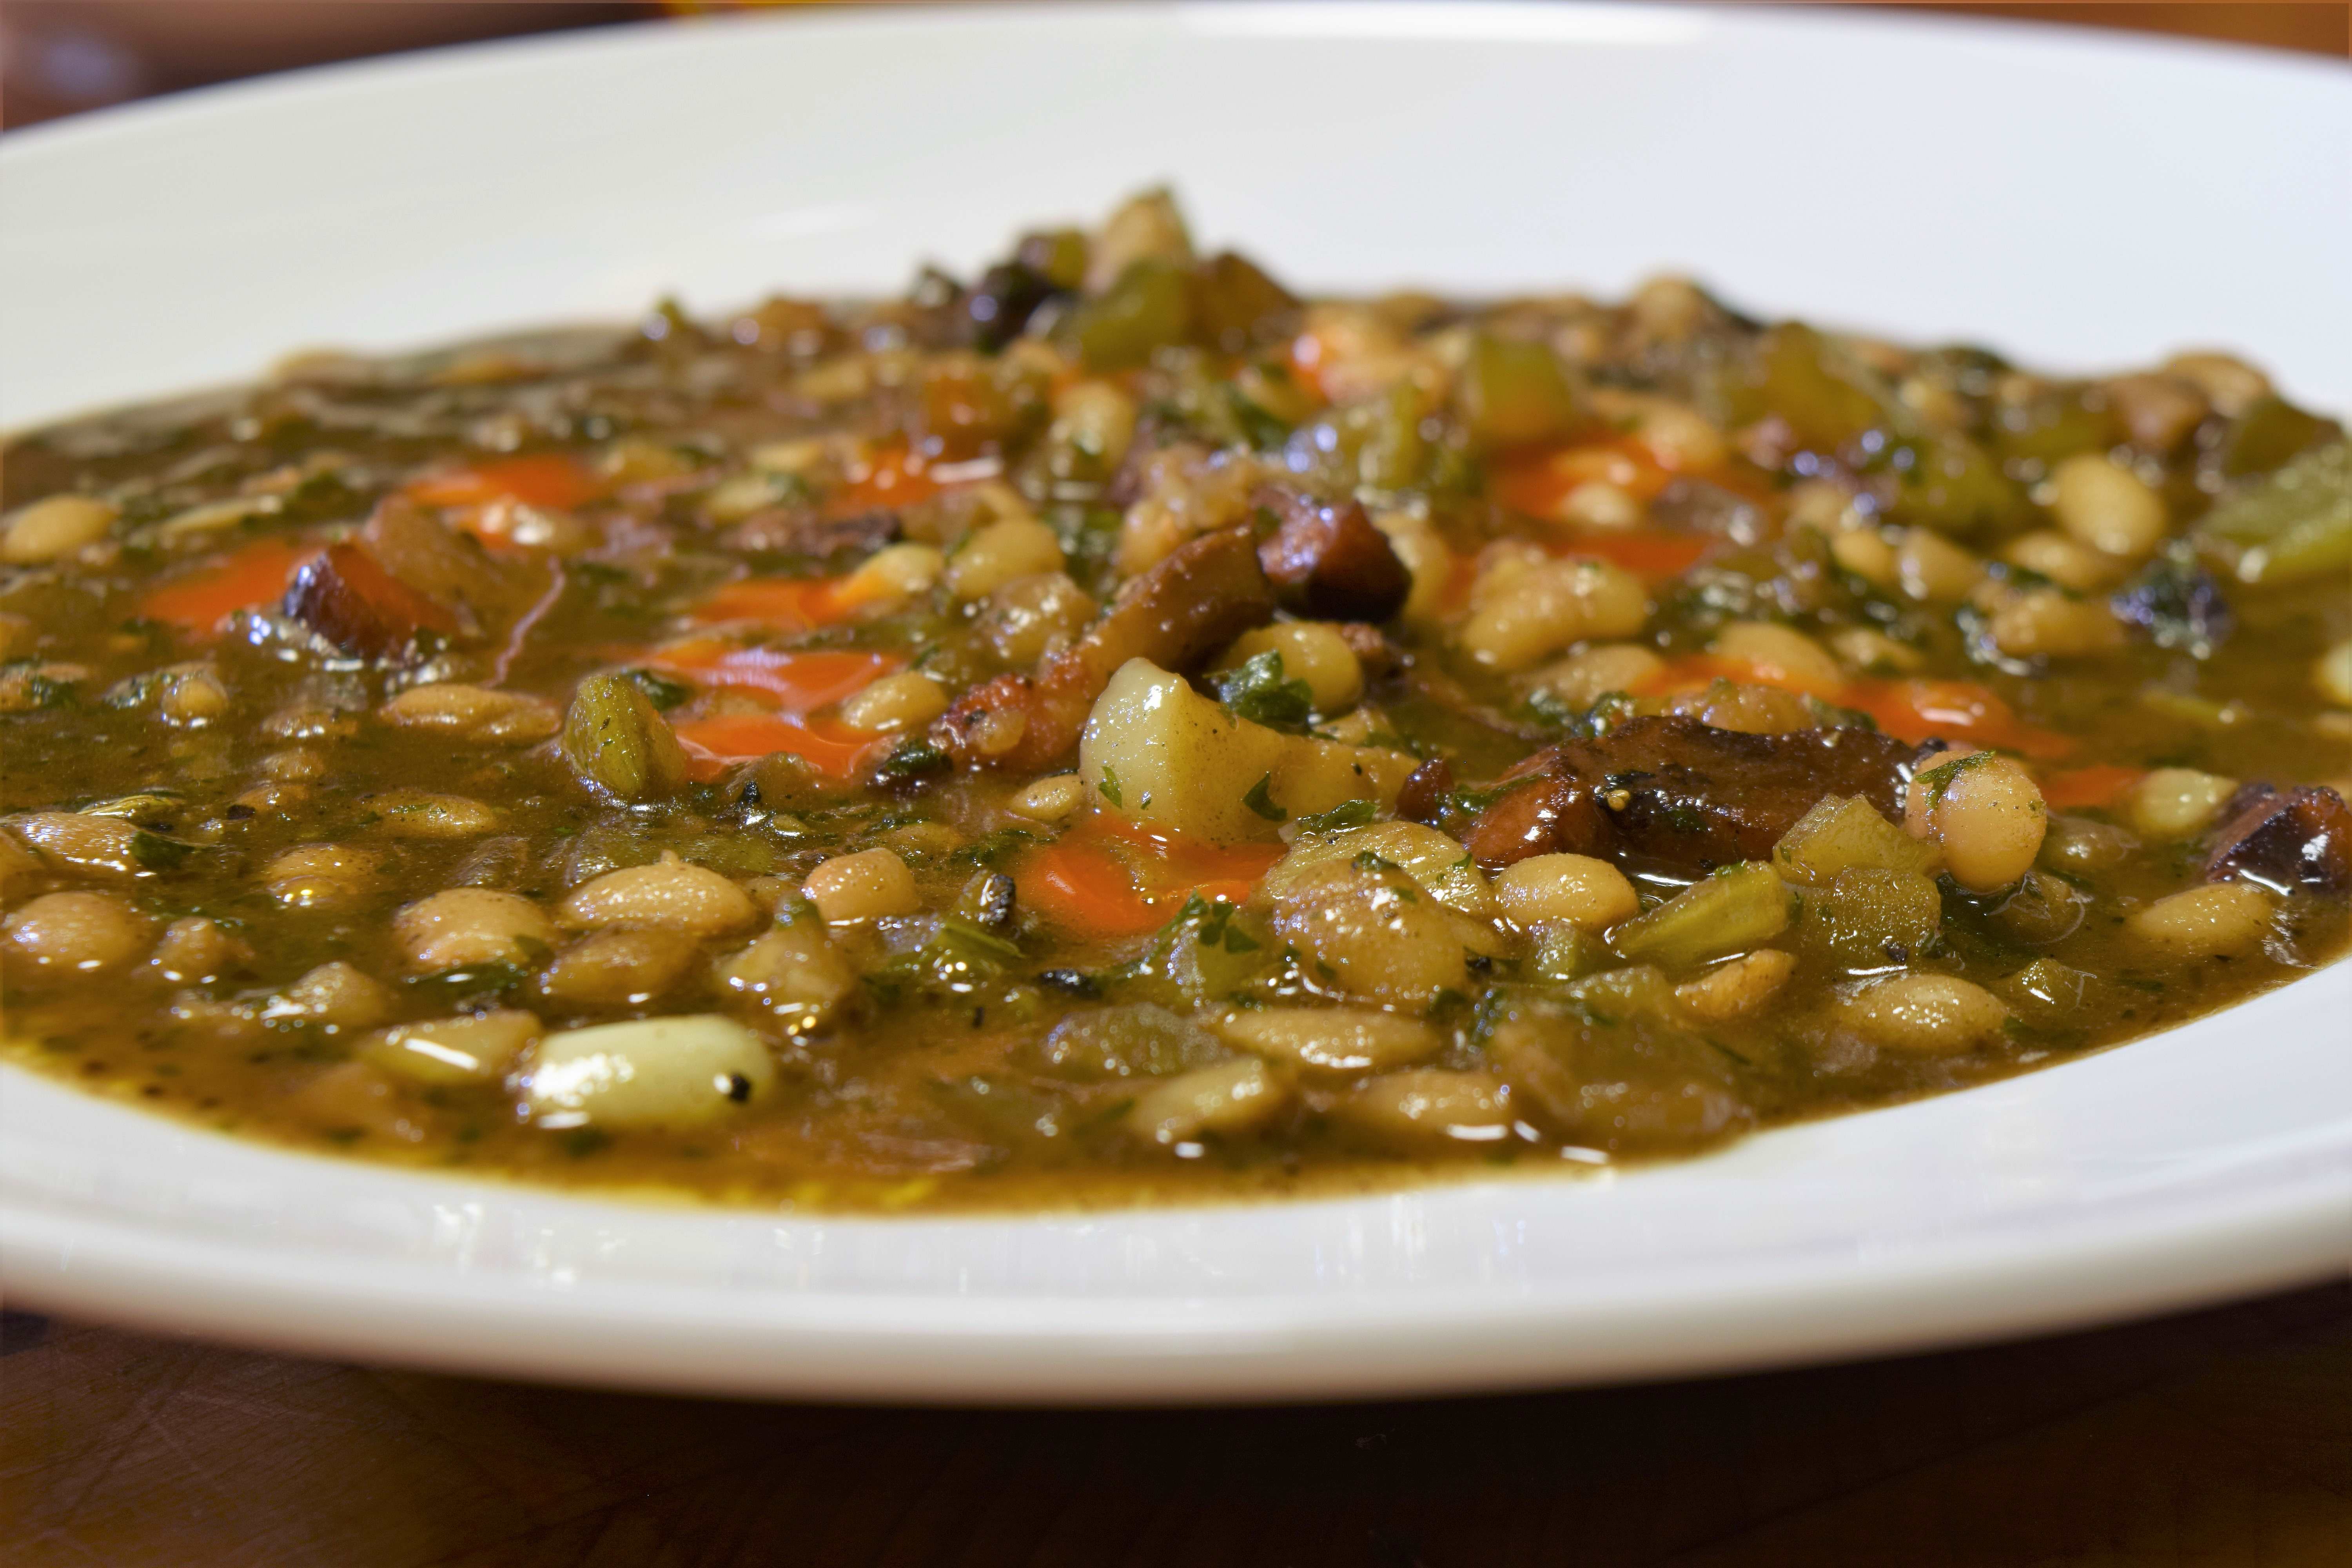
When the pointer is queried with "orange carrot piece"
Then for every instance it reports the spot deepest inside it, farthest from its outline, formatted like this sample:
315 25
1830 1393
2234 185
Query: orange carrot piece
1539 483
550 479
254 576
892 477
786 603
800 681
716 743
2099 785
1958 709
1083 887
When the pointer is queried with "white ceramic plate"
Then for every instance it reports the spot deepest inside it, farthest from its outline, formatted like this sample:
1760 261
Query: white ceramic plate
2078 201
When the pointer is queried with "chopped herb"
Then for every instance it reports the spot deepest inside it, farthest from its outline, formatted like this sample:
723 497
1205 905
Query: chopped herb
1110 787
1347 814
1261 800
1257 690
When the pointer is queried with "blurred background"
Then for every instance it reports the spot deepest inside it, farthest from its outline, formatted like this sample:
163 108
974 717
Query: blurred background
67 57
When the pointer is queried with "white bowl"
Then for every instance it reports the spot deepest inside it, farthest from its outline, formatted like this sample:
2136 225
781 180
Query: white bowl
2077 201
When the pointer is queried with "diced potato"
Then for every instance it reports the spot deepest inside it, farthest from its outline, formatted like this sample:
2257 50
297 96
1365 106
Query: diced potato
1373 935
1156 750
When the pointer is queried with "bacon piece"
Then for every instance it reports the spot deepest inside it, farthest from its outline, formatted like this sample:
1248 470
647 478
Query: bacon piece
348 599
1328 562
1208 591
1682 795
2284 838
1423 796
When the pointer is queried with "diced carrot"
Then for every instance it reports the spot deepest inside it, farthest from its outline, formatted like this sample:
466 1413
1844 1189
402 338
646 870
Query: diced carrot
892 477
253 577
1112 874
1461 574
803 681
786 603
1647 552
1539 484
2099 785
1082 886
551 479
1958 710
714 745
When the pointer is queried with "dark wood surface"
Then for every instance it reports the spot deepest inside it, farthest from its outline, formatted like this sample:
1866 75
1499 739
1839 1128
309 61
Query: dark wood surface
2217 1439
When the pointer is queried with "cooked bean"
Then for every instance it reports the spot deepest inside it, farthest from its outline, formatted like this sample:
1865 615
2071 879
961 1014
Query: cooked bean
194 949
191 695
324 876
2107 506
1780 654
618 968
474 713
2083 846
795 972
905 702
1094 423
2173 804
2064 559
1871 557
1429 1106
1922 1014
471 927
75 933
1584 678
2045 623
1000 553
1748 709
1221 1100
647 1072
2332 674
1373 935
1929 567
862 886
296 764
421 814
2216 920
1053 799
477 1047
1731 990
1986 812
1338 1040
1312 651
2229 383
1586 892
1441 865
93 846
355 1098
1523 608
892 576
1426 557
1030 617
335 996
670 894
48 530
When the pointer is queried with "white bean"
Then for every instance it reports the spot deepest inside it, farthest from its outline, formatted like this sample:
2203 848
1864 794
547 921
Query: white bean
647 1072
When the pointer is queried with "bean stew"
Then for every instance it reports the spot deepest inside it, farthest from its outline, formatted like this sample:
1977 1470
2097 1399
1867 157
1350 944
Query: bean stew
1117 729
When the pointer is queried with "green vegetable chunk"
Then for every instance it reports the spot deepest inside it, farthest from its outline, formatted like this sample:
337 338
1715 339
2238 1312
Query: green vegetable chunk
2293 526
617 742
1515 394
1870 918
1730 912
1147 308
1846 831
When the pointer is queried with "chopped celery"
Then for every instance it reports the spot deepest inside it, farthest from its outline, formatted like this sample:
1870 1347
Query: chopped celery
2295 525
1515 394
1148 307
1565 952
1730 912
2267 434
1840 832
1870 918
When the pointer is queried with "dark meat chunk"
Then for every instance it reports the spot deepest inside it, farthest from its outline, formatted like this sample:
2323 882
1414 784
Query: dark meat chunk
348 599
1327 561
1423 796
1675 793
2299 838
797 530
1000 304
1203 597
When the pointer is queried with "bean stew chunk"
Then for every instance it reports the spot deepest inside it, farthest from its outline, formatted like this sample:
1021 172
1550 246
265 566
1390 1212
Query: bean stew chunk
1123 731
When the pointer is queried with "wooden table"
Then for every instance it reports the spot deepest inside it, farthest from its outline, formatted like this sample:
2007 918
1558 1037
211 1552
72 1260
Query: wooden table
2219 1438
